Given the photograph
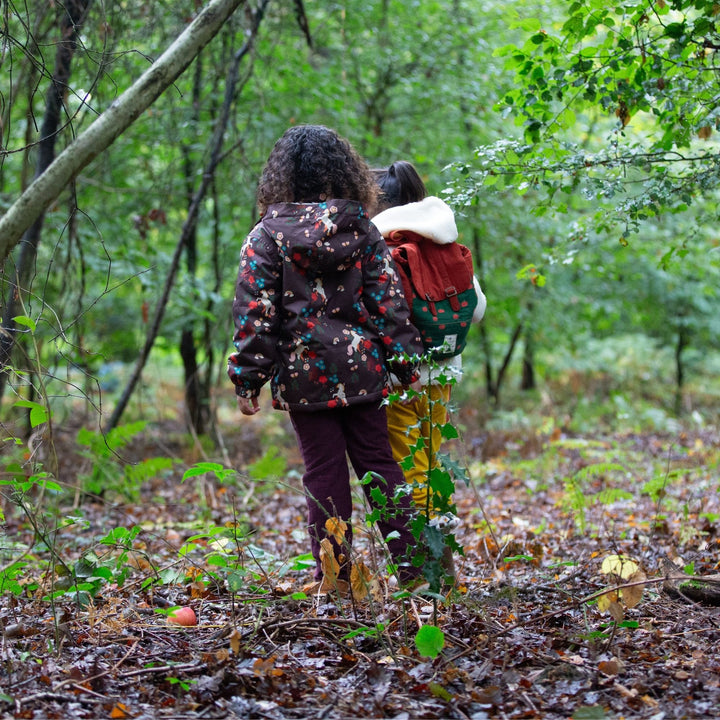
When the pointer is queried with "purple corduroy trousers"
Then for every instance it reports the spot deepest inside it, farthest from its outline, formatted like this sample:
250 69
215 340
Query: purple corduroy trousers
358 432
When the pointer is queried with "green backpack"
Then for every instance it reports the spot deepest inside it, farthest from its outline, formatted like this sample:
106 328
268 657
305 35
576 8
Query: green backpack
438 282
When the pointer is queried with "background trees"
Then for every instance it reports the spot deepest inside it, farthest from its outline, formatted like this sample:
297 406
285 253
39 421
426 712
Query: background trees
556 138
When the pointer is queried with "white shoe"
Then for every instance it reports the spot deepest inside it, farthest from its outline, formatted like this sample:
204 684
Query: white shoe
445 523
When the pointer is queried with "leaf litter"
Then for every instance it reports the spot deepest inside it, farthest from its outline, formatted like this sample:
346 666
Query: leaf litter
562 610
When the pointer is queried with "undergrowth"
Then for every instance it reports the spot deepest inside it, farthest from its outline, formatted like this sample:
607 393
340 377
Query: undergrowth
635 452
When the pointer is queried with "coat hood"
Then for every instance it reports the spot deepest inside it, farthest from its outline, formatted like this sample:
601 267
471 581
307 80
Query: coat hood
318 237
432 218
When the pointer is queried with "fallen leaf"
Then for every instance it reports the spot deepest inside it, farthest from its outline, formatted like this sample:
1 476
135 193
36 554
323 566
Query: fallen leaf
235 641
625 692
360 579
336 528
610 667
439 691
617 612
120 710
198 589
619 565
263 666
606 599
632 595
328 563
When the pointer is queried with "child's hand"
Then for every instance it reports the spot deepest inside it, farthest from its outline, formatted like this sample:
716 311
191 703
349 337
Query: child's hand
248 406
417 387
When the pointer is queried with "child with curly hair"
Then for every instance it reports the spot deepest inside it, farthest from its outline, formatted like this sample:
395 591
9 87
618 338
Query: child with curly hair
318 312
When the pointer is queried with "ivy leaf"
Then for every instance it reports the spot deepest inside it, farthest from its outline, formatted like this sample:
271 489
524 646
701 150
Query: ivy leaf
25 321
429 641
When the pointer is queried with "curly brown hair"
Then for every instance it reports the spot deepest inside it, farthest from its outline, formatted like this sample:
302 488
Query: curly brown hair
311 163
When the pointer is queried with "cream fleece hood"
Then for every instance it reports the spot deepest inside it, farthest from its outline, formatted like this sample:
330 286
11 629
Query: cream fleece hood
432 218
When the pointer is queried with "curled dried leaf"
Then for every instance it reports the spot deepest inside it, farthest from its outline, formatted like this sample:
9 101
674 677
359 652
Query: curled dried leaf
336 528
328 563
360 580
632 595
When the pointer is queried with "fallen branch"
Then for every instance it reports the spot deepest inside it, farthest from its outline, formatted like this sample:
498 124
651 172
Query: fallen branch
703 589
186 668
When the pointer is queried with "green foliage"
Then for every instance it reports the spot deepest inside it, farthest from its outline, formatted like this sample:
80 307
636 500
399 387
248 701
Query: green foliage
95 570
184 684
108 470
270 466
38 413
11 573
616 104
429 641
228 555
202 468
438 484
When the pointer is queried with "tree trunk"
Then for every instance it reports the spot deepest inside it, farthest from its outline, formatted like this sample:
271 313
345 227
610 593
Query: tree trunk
484 336
682 342
112 123
194 401
70 22
527 381
191 220
506 363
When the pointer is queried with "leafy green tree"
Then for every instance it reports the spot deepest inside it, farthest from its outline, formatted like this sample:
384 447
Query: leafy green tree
397 87
615 127
617 102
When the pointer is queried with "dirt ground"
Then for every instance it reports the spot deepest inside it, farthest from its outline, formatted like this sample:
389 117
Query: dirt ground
529 632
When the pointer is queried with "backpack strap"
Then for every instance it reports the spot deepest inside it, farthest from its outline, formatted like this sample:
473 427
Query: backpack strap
399 255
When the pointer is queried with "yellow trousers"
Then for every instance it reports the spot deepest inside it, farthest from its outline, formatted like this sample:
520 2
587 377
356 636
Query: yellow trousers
407 423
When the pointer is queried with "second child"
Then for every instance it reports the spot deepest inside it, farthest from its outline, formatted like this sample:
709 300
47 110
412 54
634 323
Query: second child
408 213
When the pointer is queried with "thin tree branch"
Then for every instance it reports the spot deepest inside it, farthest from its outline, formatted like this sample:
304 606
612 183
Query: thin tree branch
193 210
112 123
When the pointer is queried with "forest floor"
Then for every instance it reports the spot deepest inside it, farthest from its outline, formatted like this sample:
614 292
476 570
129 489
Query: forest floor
527 633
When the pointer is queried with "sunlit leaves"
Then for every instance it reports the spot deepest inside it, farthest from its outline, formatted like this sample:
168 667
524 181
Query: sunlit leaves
619 565
25 321
38 413
648 85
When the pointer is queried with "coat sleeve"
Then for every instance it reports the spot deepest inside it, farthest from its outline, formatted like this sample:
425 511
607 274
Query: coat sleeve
384 300
479 312
256 313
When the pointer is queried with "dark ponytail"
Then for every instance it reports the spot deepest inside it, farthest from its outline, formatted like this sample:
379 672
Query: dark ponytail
400 184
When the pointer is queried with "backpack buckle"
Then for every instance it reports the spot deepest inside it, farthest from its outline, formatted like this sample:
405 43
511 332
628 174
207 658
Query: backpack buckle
451 294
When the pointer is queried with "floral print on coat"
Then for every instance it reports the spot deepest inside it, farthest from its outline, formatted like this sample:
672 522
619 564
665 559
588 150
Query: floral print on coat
318 309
